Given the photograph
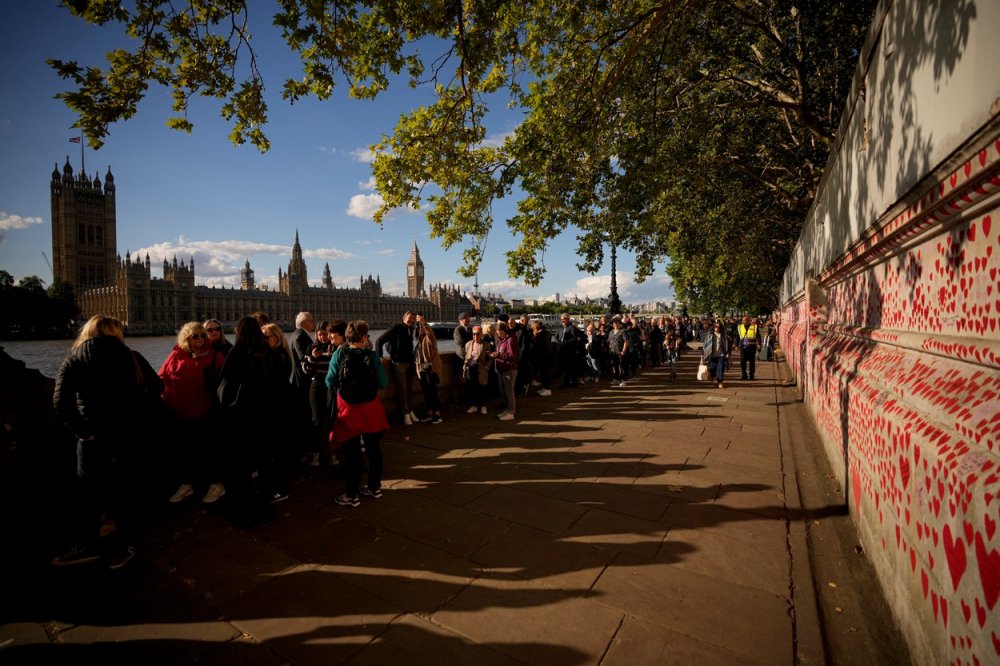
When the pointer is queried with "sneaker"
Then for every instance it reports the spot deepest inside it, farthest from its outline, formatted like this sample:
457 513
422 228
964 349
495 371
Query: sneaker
407 420
472 410
182 493
535 383
436 418
544 392
345 500
374 494
120 560
506 416
416 419
215 491
278 496
483 410
721 385
76 555
621 383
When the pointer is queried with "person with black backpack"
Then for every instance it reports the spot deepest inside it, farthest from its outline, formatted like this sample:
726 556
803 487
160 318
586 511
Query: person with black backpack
357 375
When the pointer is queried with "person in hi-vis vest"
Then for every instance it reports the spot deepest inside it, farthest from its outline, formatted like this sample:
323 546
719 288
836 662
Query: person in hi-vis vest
749 340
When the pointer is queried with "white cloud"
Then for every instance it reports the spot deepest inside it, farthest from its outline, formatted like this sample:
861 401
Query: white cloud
364 205
372 241
327 151
326 253
366 155
9 221
368 185
656 287
495 140
388 252
219 262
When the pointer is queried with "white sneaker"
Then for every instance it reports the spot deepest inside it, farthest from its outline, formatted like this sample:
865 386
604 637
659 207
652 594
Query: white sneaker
482 410
181 493
544 392
506 416
621 383
417 419
472 410
535 383
215 491
407 420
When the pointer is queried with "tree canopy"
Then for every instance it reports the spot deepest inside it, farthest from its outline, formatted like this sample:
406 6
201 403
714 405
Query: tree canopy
689 130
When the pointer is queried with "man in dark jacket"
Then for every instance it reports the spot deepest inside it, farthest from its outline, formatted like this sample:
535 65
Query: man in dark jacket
399 342
567 343
301 343
461 335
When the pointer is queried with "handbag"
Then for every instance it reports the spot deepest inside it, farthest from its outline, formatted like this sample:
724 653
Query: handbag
702 372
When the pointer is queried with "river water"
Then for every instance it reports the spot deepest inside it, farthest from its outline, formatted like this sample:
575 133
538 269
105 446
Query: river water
47 355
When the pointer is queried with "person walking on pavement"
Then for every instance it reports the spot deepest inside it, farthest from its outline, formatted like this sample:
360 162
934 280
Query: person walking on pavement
399 342
748 334
715 352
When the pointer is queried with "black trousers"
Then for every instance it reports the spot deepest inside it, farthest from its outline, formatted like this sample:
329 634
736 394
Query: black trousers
748 353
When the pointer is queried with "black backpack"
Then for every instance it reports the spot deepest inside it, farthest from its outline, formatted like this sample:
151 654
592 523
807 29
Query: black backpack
356 380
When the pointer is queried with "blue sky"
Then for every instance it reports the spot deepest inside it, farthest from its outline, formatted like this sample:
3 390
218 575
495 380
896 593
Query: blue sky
198 195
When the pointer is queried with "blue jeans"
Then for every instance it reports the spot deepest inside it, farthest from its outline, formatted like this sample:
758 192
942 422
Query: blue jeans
717 367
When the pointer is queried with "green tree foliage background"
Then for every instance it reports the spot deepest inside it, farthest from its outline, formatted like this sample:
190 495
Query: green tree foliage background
689 130
28 309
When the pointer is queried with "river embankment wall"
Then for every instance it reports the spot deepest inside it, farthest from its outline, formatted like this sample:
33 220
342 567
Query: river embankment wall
889 319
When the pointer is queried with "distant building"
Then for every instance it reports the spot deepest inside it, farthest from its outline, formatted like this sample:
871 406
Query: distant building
83 254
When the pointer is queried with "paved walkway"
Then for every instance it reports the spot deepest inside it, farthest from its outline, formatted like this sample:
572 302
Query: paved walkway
652 523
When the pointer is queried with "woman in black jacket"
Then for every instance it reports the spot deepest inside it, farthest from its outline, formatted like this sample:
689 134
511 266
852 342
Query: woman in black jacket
108 396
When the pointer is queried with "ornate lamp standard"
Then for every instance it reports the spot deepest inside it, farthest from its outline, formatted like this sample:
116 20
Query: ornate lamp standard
614 303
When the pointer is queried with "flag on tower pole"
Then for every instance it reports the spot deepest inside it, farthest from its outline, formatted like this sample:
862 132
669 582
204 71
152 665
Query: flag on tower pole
79 140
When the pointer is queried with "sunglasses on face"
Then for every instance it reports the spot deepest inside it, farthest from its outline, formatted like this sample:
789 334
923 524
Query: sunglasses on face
213 329
198 336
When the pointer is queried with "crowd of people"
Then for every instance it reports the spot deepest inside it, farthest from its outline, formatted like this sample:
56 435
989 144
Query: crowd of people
321 391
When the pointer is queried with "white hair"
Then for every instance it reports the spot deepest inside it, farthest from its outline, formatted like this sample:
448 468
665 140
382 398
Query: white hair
301 317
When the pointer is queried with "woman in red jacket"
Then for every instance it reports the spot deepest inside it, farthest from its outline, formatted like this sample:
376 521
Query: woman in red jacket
189 379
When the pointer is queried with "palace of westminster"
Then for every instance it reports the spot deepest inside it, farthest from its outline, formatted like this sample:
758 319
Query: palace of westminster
84 255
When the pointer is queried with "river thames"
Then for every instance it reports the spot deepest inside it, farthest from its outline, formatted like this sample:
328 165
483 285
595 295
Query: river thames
47 355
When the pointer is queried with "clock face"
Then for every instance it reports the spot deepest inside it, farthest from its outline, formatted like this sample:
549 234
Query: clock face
410 270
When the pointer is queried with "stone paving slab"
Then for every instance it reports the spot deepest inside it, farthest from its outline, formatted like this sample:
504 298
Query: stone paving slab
544 558
532 623
640 642
415 640
538 511
714 611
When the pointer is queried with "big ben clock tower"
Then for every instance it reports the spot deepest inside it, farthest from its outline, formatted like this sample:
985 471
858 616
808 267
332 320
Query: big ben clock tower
415 274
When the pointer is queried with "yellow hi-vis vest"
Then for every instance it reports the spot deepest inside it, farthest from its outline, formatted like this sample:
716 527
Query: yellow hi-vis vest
748 334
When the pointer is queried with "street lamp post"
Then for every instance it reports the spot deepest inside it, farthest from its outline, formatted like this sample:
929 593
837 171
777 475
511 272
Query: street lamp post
614 303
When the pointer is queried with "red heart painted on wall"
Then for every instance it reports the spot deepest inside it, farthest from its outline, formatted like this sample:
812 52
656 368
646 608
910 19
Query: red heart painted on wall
989 571
987 223
954 550
980 614
966 610
904 471
991 526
